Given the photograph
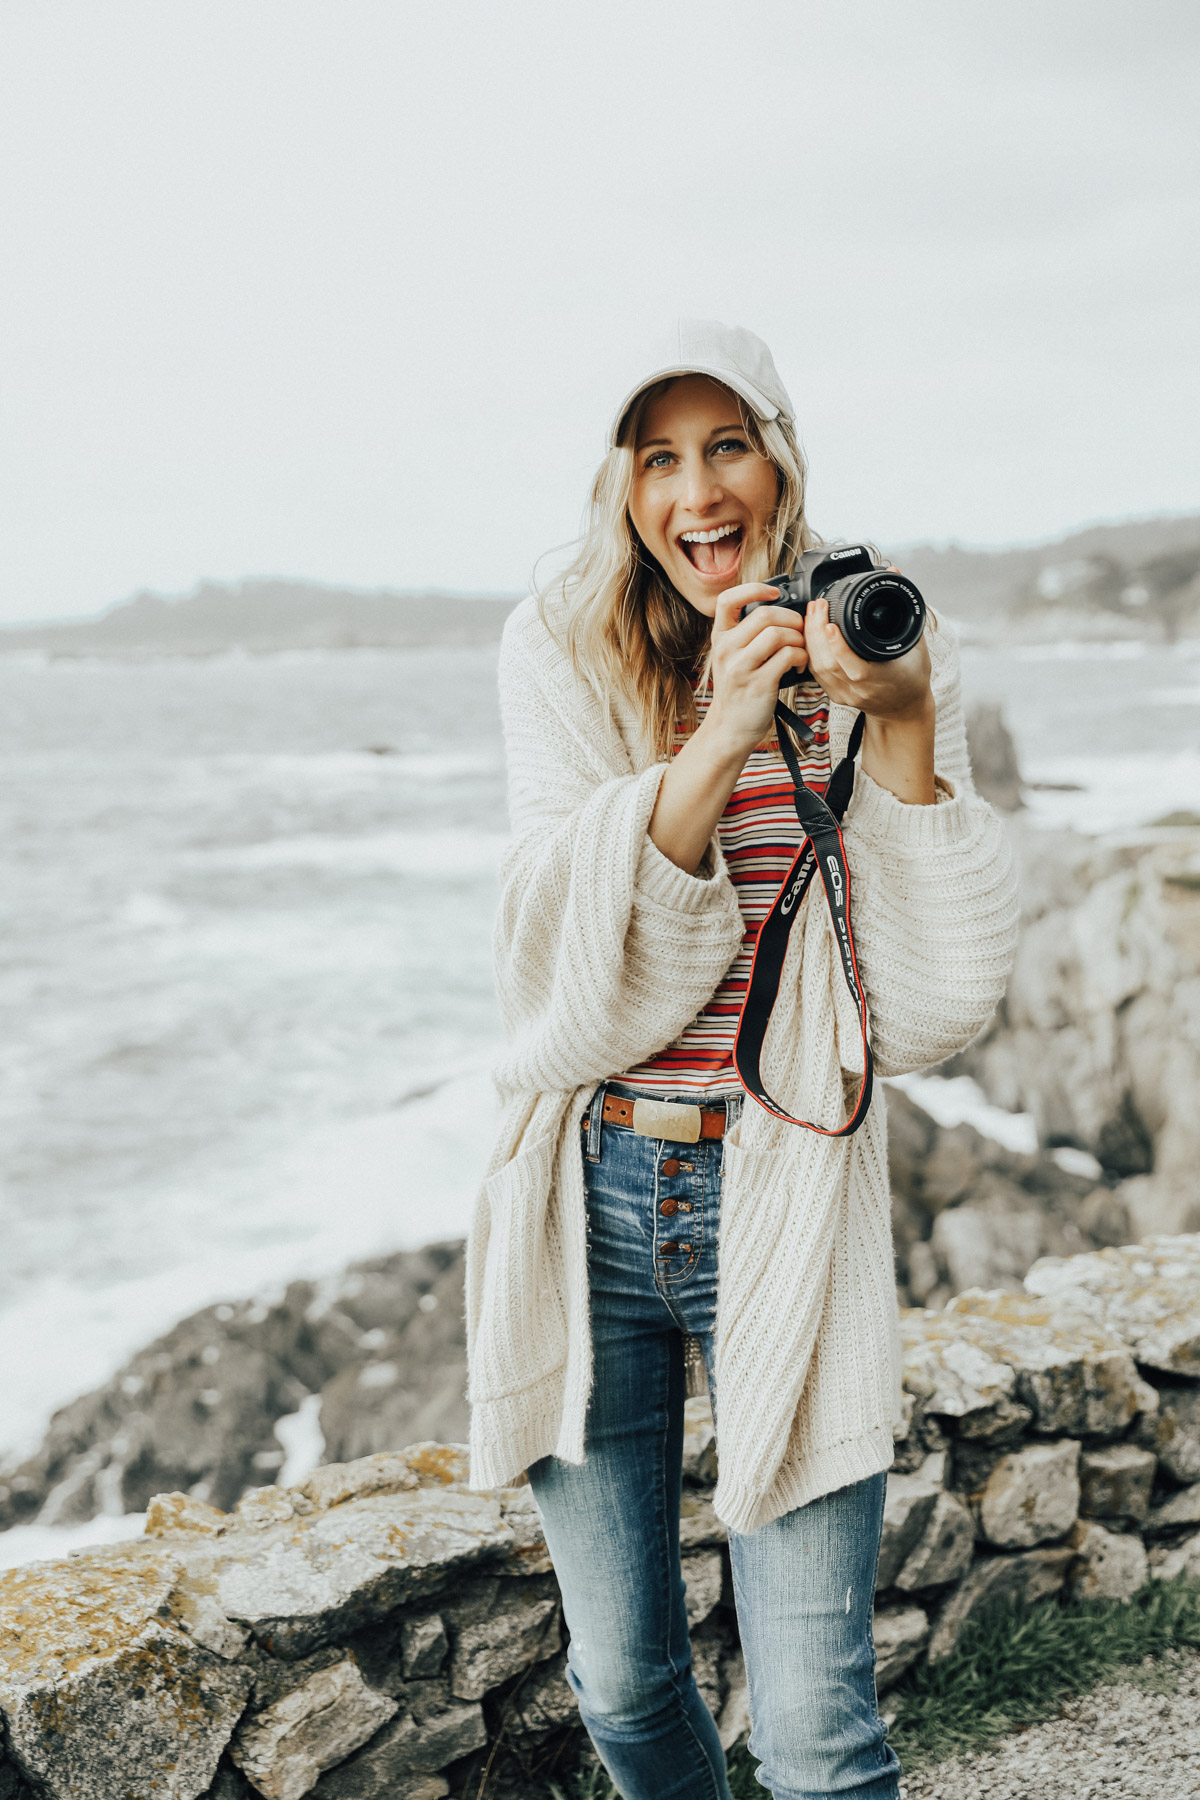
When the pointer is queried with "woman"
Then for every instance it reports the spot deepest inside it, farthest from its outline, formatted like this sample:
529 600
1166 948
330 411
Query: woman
640 1227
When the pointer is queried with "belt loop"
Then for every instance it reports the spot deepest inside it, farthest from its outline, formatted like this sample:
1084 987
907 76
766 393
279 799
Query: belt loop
595 1121
733 1110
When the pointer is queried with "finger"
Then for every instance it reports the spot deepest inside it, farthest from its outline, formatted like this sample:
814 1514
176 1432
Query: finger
752 656
764 618
838 655
783 660
731 602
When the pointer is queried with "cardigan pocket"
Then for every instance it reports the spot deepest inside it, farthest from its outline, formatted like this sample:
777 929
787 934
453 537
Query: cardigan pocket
522 1330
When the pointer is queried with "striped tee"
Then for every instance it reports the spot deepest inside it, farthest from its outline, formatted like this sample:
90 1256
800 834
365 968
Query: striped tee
759 836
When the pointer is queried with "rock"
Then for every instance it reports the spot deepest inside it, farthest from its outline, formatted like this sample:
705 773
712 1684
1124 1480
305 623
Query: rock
948 1373
1032 1496
1147 1294
519 1511
286 1747
1097 1033
197 1611
1115 1482
423 1646
709 1652
995 769
906 1512
944 1551
699 1524
699 1443
1181 1509
414 1385
385 1473
1073 1374
1108 1565
195 1411
295 1586
1172 1433
12 1785
101 1692
169 1513
1183 1559
901 1633
406 1751
703 1572
498 1629
230 1783
1013 1580
733 1721
544 1702
978 1247
261 1507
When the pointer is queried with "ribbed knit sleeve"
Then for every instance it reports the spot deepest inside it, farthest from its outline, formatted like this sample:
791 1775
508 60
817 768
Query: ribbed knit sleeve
934 898
604 949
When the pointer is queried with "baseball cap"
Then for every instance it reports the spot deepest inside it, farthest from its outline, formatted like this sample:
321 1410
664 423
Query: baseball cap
728 353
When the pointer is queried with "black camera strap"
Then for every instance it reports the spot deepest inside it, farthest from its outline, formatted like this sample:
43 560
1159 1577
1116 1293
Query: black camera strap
822 849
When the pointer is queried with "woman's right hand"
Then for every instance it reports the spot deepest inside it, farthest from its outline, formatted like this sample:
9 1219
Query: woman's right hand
750 657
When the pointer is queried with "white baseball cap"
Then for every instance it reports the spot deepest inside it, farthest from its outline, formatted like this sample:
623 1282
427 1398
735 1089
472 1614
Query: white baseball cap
728 353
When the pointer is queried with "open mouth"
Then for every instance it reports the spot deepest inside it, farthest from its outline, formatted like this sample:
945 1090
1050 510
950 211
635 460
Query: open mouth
715 552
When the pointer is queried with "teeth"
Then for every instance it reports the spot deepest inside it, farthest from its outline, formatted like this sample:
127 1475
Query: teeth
708 537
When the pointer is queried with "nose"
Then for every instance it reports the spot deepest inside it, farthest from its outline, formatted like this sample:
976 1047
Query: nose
701 489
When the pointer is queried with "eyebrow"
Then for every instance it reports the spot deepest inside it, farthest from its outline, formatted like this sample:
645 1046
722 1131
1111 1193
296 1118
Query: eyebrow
717 431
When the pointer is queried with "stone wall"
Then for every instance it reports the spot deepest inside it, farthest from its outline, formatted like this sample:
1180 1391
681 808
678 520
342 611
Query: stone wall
381 1629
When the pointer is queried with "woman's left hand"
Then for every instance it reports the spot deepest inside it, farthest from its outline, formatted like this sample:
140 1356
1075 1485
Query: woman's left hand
889 690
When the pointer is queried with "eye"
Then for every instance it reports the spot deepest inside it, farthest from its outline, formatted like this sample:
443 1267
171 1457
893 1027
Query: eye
730 446
658 459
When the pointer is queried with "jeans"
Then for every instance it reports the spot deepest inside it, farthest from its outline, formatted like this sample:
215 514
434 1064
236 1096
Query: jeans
803 1584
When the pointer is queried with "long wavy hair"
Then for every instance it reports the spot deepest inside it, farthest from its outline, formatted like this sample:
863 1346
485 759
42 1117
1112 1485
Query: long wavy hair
623 623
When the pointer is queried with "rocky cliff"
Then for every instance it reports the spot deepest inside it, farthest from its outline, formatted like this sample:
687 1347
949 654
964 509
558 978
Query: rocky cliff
1099 1034
381 1629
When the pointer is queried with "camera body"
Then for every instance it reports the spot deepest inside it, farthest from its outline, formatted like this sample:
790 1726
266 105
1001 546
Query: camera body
880 614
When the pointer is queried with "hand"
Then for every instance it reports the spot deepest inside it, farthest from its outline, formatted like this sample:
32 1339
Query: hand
897 691
749 659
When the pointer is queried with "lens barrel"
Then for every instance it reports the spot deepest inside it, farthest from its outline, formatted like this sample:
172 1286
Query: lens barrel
880 615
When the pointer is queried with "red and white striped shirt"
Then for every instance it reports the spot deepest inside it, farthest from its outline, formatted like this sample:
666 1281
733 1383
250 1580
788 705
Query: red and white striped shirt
759 836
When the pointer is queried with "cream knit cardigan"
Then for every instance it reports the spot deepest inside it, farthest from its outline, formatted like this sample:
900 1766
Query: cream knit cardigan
604 951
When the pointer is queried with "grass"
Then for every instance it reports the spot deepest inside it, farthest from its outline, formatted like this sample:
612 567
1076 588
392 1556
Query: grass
1016 1666
1012 1668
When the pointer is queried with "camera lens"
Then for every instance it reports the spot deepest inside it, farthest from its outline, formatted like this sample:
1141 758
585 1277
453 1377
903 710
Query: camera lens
880 615
885 616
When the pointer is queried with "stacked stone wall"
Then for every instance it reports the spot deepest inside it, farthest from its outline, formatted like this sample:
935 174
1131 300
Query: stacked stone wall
381 1629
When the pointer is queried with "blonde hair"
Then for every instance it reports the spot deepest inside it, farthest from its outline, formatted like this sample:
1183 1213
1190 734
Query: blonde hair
623 623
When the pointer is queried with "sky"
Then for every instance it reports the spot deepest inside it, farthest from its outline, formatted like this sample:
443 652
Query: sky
346 289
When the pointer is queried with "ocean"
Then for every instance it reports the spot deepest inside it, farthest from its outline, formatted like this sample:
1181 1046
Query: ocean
245 961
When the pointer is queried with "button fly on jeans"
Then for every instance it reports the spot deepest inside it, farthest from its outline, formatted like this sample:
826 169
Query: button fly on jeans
671 1166
668 1249
668 1207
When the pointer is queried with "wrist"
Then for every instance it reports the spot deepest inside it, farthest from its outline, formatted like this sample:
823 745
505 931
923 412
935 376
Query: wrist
725 746
919 716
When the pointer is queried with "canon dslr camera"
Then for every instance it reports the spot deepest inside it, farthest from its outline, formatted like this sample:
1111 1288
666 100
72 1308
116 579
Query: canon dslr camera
879 613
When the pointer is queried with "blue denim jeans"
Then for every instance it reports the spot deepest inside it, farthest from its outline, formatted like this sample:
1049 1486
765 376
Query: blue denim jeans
803 1585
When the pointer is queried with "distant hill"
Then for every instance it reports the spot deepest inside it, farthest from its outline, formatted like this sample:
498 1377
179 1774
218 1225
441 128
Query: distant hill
1112 580
1126 578
269 615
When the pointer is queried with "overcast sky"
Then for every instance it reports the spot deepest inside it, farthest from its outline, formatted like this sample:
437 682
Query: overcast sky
344 289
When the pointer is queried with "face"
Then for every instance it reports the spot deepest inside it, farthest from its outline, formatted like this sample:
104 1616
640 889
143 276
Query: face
702 495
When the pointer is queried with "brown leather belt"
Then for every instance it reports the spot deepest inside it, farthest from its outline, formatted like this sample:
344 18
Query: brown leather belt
662 1119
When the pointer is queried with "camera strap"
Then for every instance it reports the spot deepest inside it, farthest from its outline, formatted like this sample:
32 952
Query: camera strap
822 850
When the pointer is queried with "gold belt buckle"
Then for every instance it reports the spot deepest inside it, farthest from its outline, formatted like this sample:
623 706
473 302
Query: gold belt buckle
667 1119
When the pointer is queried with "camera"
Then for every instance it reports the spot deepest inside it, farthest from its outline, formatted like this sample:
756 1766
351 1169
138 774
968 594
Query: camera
879 613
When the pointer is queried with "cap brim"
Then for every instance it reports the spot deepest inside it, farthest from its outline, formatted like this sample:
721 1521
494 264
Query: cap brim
757 401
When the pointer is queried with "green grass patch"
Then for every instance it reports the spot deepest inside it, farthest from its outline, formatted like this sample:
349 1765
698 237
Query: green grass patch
1016 1666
